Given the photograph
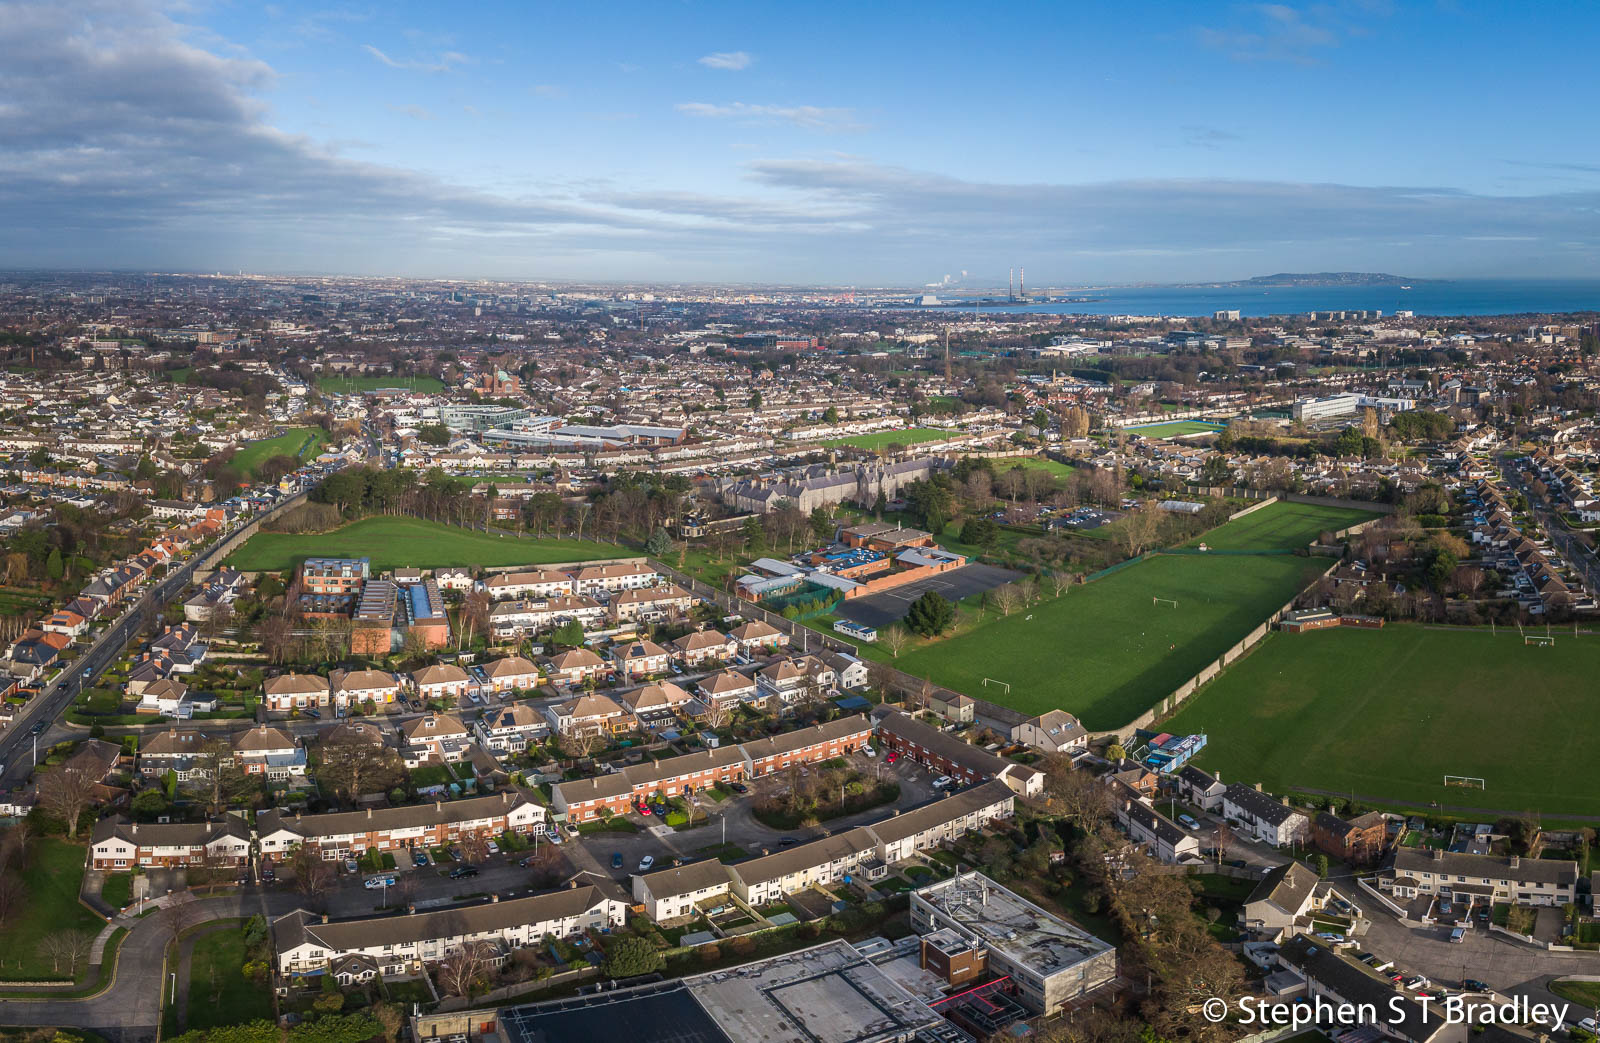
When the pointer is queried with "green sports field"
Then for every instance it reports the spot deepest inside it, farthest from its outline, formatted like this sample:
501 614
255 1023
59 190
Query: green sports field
1033 463
301 442
1106 651
1174 428
401 542
1386 714
349 385
1281 525
879 439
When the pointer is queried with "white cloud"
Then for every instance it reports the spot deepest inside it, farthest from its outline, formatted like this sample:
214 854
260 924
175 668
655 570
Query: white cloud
549 90
446 61
732 61
811 117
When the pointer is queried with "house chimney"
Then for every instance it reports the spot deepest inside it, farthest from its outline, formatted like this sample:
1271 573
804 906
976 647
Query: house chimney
410 909
135 828
1258 787
1516 860
297 818
572 885
324 917
438 805
369 814
494 897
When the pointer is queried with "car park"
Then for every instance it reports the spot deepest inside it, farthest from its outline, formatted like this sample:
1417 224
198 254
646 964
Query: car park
646 863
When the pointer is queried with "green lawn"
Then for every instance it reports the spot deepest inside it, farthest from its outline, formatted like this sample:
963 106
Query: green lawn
219 994
117 891
908 436
347 385
1174 428
1385 714
1583 993
1280 526
301 442
1033 463
1104 651
53 876
399 542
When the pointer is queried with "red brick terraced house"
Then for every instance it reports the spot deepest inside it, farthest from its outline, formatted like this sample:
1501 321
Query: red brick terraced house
119 846
349 834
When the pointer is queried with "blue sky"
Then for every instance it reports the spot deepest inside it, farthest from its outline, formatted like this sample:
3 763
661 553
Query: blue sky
867 144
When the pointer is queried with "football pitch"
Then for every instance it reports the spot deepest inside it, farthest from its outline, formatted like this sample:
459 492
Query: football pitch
399 542
1107 651
904 436
1386 714
1281 526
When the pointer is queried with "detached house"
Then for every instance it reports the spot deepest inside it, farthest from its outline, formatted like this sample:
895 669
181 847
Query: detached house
1055 731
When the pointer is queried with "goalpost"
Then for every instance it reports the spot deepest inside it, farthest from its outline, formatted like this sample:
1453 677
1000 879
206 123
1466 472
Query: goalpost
1466 781
1538 640
987 681
1154 600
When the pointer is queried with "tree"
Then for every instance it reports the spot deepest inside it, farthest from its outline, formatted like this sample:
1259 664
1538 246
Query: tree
1115 752
895 638
659 545
822 525
1007 598
313 875
1061 582
13 895
979 532
1139 528
630 957
149 805
931 614
67 793
224 782
353 767
54 567
461 971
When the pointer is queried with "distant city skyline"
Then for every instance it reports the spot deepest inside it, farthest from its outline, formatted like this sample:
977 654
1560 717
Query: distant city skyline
886 145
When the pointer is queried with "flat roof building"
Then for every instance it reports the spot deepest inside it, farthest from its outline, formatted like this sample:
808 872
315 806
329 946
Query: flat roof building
1051 961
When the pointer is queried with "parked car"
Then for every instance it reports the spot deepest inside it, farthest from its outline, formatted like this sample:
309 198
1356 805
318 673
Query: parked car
943 781
869 751
314 715
787 841
572 827
1474 985
616 860
893 756
1188 822
372 883
642 808
646 862
462 871
494 848
268 874
352 866
419 857
455 852
738 787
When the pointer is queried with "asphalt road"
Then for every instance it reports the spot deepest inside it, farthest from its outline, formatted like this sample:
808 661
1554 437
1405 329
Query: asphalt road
16 745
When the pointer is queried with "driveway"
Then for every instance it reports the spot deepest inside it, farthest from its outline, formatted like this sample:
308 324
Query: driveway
1509 966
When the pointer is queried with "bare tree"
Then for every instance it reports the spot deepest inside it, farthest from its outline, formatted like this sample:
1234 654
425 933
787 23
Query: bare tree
353 766
1061 582
582 741
1139 529
895 638
461 970
13 896
313 875
1006 598
67 793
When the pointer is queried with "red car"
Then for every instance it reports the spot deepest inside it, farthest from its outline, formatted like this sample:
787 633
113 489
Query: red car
642 808
894 755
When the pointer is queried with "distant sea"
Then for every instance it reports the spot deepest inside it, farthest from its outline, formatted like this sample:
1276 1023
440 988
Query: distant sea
1452 297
